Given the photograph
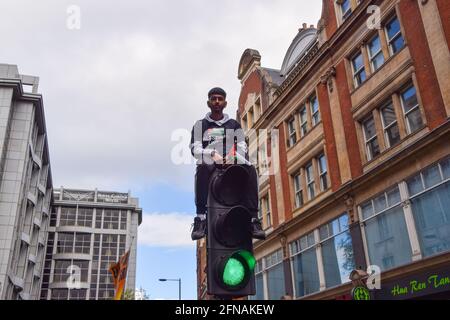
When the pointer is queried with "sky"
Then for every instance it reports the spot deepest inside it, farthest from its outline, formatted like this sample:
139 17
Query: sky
124 81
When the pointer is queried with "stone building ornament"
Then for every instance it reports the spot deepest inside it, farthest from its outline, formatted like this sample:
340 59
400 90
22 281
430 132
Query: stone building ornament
349 203
283 241
327 78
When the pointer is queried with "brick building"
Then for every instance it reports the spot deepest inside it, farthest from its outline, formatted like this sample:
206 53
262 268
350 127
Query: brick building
358 150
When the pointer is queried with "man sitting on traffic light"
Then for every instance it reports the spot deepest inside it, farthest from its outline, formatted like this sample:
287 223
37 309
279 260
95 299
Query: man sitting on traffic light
215 139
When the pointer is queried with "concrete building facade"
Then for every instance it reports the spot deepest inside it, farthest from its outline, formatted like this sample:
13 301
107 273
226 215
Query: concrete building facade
89 230
25 185
355 163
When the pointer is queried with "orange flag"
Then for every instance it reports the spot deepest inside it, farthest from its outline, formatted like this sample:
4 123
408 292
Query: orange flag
119 274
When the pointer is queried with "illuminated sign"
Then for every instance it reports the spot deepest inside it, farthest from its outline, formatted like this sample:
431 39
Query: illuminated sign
360 293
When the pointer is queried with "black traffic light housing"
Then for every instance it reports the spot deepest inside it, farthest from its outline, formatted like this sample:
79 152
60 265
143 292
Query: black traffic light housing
230 260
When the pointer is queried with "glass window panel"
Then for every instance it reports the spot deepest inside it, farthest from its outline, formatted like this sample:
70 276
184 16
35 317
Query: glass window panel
445 165
414 120
338 259
303 243
432 217
311 240
387 239
393 135
393 28
358 62
409 99
275 282
393 197
374 46
323 231
388 114
378 61
397 44
343 222
431 176
369 128
306 274
367 210
380 203
259 282
414 185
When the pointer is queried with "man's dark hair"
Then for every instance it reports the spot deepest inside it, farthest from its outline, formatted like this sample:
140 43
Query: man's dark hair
218 91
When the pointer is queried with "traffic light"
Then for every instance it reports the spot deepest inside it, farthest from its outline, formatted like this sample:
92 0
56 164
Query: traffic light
230 260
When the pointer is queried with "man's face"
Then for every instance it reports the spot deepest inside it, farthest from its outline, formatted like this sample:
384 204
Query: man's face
217 103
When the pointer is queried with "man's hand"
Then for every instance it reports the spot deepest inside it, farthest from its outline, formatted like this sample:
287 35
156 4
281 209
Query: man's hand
216 157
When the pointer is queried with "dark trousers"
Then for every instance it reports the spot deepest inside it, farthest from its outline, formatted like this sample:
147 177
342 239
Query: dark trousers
202 176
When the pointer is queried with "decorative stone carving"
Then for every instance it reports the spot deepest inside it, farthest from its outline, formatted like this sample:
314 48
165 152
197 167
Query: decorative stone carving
327 78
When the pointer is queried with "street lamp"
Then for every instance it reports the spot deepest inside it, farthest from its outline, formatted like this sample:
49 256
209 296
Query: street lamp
179 285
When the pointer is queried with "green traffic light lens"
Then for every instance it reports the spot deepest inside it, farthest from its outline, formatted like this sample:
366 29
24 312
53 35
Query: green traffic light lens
249 259
233 273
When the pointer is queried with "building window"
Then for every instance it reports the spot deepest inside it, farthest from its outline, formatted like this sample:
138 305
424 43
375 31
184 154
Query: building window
84 218
259 281
385 230
390 126
68 216
375 53
264 214
65 242
394 36
303 121
359 73
337 251
346 8
411 109
60 294
315 114
305 265
268 219
292 132
111 219
78 294
370 138
298 191
323 172
275 275
82 243
310 181
430 199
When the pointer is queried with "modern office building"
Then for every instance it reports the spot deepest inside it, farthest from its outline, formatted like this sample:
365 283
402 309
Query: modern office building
355 170
25 185
89 230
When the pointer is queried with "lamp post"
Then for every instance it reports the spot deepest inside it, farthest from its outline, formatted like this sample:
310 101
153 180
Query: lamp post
179 285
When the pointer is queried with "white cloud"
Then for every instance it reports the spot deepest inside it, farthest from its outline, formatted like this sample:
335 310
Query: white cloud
166 230
115 90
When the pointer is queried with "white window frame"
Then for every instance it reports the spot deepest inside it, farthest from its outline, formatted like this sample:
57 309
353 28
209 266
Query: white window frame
310 181
345 14
314 121
387 127
395 37
292 132
376 54
303 121
416 107
367 140
323 174
356 73
298 190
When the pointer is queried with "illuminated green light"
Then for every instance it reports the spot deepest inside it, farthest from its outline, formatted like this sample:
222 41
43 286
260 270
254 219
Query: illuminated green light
249 258
233 273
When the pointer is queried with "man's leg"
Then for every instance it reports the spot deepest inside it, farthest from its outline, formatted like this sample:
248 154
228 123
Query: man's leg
203 172
252 202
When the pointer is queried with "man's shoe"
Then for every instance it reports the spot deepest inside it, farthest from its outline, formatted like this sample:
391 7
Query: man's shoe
257 231
198 231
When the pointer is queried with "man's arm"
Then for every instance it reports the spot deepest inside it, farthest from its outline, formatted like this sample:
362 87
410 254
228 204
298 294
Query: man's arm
196 145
